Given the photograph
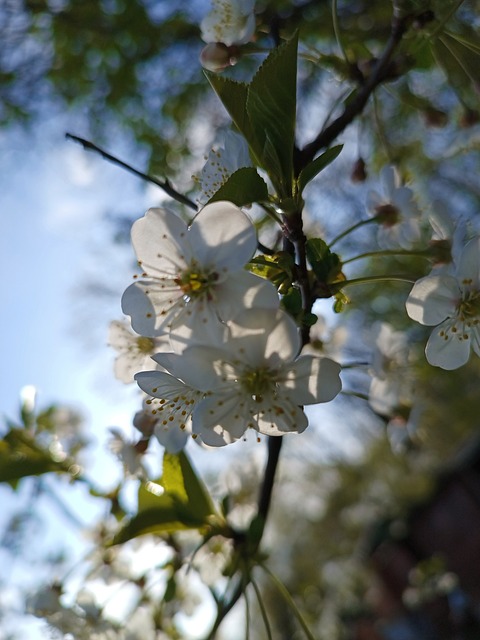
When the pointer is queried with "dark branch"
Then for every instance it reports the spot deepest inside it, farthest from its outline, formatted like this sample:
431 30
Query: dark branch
380 72
163 184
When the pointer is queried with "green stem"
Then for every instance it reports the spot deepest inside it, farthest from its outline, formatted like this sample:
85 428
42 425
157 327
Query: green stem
263 611
247 608
338 286
445 19
354 394
357 225
336 31
387 252
289 600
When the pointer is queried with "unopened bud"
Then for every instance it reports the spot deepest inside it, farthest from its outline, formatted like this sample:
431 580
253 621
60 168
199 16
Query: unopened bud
435 117
359 172
469 118
216 56
144 422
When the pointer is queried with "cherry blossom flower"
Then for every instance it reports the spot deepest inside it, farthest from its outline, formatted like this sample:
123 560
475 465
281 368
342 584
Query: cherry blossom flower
170 406
253 379
226 157
193 277
230 22
395 211
452 302
134 351
128 452
391 386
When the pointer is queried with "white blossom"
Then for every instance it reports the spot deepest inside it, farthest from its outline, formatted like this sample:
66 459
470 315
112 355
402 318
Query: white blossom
134 351
229 21
253 379
128 452
194 277
228 155
395 211
391 386
452 302
170 406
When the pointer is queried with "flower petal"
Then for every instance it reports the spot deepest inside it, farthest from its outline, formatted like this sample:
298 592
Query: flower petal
223 236
468 270
221 419
151 306
433 299
313 379
446 349
160 242
261 336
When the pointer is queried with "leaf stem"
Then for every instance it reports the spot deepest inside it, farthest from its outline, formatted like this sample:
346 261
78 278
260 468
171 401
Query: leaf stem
289 600
336 31
338 286
263 611
387 252
163 184
354 227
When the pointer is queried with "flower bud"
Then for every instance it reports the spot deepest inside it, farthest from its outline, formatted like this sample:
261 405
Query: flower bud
216 56
359 172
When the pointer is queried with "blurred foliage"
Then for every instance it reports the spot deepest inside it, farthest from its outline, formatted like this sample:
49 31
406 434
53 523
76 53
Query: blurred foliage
128 64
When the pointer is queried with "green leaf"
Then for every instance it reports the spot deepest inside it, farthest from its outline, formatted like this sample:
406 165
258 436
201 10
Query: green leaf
21 456
461 65
264 112
325 264
198 498
292 302
278 268
243 187
233 96
271 107
317 165
176 502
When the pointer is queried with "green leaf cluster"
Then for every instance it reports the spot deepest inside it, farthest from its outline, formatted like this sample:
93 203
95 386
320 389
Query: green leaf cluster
178 501
264 111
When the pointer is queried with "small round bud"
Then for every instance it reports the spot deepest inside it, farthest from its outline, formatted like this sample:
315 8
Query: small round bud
359 171
216 56
469 118
435 117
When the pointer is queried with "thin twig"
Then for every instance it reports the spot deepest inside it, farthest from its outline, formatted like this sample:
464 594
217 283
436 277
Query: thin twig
163 184
356 106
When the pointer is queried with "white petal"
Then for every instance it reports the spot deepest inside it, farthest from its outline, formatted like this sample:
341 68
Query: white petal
223 236
446 349
162 385
160 242
281 416
384 395
468 269
172 438
264 335
197 324
198 367
137 304
312 379
221 419
243 289
433 299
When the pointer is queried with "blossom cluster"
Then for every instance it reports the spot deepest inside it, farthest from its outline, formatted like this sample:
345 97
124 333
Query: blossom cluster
234 360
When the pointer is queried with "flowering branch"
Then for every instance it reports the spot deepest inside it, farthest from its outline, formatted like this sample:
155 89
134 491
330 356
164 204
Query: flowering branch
381 72
163 184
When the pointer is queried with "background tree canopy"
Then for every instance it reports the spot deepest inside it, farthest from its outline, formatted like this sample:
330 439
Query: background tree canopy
131 70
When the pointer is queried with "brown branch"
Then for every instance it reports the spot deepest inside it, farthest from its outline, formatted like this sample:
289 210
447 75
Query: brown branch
380 72
163 184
